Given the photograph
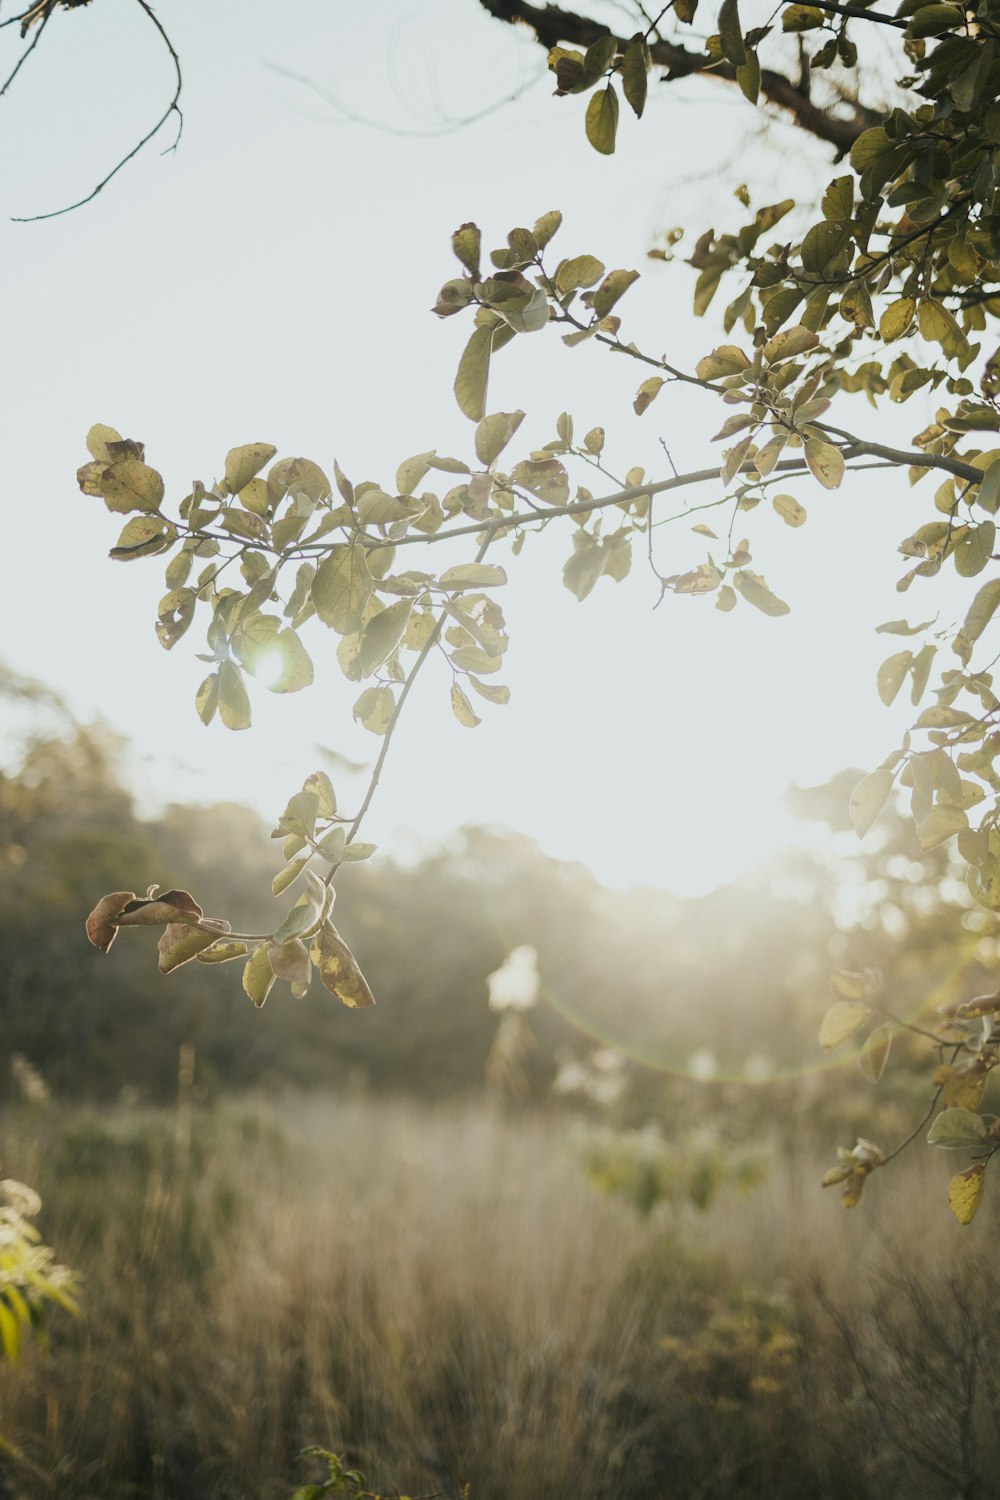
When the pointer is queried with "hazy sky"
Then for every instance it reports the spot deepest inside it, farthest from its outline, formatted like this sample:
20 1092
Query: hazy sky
271 281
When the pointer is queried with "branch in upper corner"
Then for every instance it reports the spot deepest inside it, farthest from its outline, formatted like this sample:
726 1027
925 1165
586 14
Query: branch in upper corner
552 25
173 108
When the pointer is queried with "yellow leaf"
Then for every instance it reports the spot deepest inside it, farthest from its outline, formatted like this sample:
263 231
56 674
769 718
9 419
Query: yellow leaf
965 1192
338 968
897 318
756 592
825 462
473 374
789 509
98 439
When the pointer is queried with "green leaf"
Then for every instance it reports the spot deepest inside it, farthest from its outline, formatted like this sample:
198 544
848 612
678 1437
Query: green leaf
462 708
357 851
545 478
989 488
748 77
838 200
842 1020
920 671
473 374
288 875
875 1051
222 951
301 919
234 704
295 668
258 976
130 484
941 716
494 433
472 576
612 288
728 359
98 439
975 549
599 57
935 20
731 33
941 823
868 799
207 698
375 708
342 587
801 18
939 326
635 70
982 610
892 674
957 1129
901 627
544 228
382 635
602 119
243 463
143 536
467 243
299 816
493 692
180 943
789 344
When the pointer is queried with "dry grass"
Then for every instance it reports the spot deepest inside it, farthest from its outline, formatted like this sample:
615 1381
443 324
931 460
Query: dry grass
441 1295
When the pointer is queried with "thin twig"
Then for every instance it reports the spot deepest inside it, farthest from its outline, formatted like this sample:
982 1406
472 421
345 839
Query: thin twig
27 51
425 651
447 127
173 108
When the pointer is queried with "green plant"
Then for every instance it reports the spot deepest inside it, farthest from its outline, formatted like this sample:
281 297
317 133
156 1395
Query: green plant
340 1481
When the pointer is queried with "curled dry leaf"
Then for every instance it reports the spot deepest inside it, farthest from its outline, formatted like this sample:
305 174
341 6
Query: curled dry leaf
102 925
171 906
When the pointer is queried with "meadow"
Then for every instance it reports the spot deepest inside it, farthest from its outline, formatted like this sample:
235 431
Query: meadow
445 1296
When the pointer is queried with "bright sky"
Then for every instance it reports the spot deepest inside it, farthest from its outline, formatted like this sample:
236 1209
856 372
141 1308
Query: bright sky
271 281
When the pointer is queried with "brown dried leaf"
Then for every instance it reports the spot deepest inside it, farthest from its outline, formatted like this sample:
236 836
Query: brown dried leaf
101 924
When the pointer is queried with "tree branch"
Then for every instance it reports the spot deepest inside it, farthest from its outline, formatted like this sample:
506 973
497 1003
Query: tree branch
552 25
173 108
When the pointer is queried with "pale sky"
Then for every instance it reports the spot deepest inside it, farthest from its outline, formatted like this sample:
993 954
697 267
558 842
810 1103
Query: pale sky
271 280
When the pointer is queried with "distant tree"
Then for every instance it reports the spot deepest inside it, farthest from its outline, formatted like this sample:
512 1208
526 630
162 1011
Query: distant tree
901 248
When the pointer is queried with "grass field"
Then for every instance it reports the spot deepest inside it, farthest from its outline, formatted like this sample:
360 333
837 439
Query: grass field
443 1296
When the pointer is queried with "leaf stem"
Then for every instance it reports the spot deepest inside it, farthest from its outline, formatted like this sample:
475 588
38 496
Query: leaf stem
376 775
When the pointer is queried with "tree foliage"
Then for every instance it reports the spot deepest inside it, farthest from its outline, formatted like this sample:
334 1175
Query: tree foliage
885 286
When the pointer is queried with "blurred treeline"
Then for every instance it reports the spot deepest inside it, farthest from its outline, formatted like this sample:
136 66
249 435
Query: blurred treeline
740 976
